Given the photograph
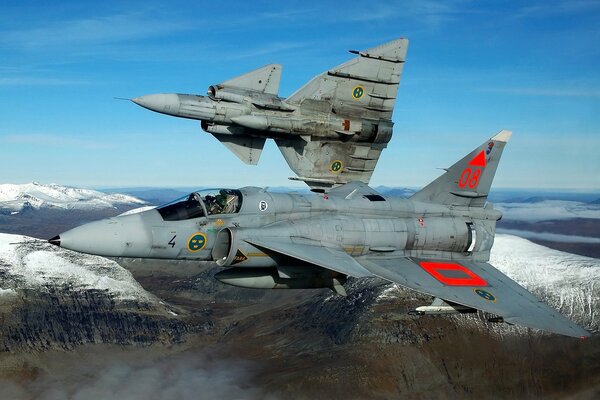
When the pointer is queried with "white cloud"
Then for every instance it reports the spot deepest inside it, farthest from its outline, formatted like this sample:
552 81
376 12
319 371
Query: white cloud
126 374
552 237
92 30
548 210
560 7
36 81
53 140
267 49
430 12
550 92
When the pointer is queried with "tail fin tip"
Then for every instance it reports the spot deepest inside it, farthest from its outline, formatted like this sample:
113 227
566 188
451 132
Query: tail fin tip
502 136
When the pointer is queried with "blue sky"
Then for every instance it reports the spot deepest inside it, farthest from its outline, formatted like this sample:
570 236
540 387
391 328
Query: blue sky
473 68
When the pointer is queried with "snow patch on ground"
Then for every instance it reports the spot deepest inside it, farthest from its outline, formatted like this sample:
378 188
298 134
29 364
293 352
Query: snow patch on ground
390 292
35 264
7 292
568 282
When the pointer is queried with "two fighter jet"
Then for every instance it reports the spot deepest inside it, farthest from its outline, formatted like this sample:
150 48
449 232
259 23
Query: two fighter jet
331 133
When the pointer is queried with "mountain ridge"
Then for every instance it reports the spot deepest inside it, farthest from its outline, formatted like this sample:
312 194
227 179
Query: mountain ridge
15 198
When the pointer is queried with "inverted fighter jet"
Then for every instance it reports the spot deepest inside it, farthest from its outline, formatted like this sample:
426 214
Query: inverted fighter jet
331 131
436 242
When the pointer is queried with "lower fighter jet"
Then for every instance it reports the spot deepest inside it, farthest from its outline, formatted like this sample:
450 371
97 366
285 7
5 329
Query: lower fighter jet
436 242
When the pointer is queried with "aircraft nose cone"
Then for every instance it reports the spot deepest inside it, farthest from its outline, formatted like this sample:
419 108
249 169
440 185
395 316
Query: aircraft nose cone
122 236
103 238
162 103
55 241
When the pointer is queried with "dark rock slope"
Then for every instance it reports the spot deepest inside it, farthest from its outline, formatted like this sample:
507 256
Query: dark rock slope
53 298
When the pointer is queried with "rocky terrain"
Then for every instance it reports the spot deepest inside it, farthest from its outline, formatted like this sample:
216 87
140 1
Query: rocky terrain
179 329
56 299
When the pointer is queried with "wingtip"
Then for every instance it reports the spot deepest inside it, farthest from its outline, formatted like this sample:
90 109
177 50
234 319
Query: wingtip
502 136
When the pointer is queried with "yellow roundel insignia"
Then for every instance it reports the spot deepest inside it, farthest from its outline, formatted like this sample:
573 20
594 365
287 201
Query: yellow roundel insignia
196 242
336 166
358 92
484 294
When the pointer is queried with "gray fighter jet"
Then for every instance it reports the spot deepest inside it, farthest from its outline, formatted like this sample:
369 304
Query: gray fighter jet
436 242
331 131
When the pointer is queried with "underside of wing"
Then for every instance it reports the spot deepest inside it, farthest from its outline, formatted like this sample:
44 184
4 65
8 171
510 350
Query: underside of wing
354 189
325 257
323 164
474 284
246 148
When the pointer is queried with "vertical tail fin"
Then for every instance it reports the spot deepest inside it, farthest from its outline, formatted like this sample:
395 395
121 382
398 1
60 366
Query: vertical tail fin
468 182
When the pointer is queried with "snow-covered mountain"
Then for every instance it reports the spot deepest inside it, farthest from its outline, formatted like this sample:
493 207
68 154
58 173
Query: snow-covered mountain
568 282
28 263
15 198
52 298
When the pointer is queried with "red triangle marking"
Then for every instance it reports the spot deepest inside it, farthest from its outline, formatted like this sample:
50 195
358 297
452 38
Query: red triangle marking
478 160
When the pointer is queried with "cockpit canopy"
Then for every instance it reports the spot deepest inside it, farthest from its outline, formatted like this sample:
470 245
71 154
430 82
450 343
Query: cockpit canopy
202 203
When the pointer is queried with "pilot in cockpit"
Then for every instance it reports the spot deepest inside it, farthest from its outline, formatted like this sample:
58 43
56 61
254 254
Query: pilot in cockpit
225 201
222 203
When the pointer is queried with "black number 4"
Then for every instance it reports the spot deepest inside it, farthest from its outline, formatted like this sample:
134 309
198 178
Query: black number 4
172 241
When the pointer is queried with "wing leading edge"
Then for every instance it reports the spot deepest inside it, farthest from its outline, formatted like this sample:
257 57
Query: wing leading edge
325 257
474 284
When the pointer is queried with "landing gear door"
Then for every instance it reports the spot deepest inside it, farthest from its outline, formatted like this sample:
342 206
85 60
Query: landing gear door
165 242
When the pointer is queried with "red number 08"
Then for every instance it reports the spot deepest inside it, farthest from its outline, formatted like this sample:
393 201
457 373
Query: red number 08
469 177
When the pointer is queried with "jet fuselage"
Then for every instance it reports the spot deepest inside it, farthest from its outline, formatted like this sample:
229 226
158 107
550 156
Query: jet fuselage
357 222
